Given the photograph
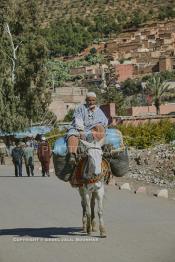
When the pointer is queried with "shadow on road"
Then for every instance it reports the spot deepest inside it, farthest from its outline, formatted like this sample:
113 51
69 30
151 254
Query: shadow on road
48 232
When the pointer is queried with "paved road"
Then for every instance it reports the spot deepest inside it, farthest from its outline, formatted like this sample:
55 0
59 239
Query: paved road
40 220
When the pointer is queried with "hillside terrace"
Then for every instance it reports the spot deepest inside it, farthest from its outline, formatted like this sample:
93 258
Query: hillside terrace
149 49
158 37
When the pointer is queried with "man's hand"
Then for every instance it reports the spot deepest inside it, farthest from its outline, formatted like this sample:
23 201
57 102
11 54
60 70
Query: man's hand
82 135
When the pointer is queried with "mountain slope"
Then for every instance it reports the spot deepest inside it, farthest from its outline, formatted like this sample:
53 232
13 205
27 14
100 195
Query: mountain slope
122 10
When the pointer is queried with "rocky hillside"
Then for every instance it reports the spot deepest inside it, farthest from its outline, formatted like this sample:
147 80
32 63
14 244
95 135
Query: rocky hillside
154 165
123 11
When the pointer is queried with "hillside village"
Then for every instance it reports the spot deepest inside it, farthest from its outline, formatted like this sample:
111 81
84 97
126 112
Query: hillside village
133 54
52 52
149 49
144 51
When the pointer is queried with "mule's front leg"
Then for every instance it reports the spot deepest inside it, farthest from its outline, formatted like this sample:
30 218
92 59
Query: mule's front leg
88 213
100 196
83 204
93 224
84 218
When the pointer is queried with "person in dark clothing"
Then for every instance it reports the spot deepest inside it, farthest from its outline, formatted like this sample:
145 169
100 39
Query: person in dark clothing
17 156
44 155
29 159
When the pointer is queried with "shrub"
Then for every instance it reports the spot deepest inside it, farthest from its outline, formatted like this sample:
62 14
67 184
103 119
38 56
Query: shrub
69 116
148 134
53 135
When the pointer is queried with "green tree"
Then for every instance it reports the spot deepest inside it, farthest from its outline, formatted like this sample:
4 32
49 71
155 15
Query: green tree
112 95
166 12
94 58
58 73
67 38
131 87
157 89
22 67
11 114
69 116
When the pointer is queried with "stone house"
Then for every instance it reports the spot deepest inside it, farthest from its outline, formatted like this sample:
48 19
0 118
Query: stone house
124 71
151 110
66 98
165 63
150 49
78 70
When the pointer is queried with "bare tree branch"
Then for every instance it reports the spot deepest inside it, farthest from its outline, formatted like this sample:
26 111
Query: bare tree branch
7 29
13 57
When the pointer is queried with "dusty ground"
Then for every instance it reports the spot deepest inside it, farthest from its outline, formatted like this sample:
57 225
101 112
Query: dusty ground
41 221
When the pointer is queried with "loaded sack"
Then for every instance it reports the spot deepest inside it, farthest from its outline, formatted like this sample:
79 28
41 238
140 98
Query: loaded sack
59 159
113 150
116 153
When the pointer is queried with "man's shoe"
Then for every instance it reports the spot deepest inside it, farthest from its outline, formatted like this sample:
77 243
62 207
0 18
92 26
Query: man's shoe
69 166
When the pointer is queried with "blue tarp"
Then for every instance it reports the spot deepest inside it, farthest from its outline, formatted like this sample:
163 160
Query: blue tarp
5 134
33 131
60 147
28 132
113 136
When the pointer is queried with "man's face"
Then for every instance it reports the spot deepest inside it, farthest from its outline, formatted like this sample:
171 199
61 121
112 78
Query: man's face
91 102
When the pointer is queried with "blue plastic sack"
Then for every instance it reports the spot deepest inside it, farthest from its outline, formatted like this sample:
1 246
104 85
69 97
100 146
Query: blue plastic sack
60 147
114 137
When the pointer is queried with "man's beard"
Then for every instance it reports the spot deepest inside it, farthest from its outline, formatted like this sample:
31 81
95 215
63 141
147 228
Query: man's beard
91 106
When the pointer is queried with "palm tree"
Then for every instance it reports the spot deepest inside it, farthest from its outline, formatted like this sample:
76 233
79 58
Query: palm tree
157 89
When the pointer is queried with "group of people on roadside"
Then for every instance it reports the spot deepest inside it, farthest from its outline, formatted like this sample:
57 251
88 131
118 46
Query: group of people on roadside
24 151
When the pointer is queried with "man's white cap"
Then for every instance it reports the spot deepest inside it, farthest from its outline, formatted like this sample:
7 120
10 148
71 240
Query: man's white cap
43 138
91 94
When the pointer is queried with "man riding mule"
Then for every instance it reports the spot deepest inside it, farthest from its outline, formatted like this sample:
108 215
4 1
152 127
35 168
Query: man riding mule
88 124
78 158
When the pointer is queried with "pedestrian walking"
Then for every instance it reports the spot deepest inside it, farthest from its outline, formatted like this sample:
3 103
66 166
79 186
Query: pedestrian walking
3 152
17 157
44 155
29 158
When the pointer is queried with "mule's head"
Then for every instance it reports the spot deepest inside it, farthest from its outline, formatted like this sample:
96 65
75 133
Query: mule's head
93 153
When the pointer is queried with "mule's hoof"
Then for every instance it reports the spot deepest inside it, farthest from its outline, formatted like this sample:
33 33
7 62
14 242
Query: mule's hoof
103 235
94 229
88 231
84 229
102 232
